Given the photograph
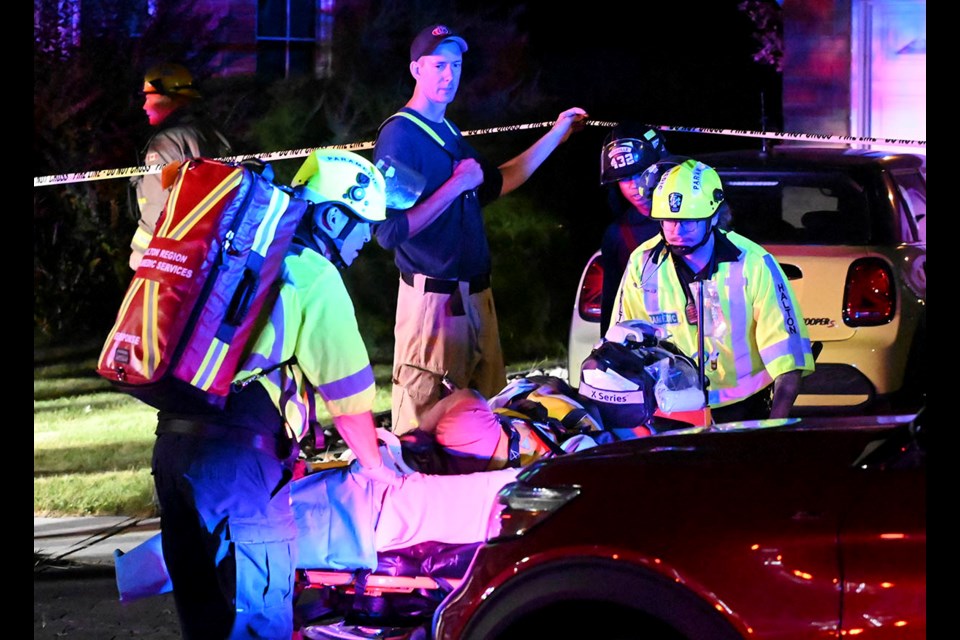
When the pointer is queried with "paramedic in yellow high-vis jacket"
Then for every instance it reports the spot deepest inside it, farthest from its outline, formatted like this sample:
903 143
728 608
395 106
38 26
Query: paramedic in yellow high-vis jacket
754 333
223 477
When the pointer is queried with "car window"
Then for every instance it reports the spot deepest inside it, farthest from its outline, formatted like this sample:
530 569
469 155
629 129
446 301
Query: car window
798 208
913 189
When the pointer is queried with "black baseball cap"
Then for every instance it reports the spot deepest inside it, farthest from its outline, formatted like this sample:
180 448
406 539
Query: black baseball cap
431 37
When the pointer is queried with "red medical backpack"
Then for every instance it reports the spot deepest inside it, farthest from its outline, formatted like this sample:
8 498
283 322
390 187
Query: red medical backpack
207 273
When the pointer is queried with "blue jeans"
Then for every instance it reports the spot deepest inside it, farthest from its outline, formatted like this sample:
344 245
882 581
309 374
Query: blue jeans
229 537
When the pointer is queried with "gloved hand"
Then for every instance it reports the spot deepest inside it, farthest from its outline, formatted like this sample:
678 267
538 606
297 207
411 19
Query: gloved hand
383 473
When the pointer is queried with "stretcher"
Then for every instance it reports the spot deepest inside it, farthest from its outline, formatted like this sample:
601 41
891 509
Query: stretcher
376 560
395 600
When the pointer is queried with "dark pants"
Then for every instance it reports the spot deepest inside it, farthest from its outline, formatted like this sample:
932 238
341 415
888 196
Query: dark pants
229 537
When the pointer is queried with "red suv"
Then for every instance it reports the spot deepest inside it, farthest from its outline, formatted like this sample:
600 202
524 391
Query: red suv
797 529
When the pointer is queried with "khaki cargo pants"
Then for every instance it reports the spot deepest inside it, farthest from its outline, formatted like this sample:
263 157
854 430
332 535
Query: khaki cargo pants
442 333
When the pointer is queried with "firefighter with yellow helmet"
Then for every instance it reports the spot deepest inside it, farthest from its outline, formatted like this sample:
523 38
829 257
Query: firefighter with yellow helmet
755 344
170 101
223 477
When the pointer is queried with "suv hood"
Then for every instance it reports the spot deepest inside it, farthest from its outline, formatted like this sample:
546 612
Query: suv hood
822 442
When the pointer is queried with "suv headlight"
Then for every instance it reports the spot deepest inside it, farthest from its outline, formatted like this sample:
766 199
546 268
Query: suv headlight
521 507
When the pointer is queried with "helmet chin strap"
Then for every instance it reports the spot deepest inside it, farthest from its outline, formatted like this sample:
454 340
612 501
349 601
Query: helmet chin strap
330 246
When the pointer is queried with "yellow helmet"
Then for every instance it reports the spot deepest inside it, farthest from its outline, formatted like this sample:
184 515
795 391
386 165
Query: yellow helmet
170 79
346 179
689 191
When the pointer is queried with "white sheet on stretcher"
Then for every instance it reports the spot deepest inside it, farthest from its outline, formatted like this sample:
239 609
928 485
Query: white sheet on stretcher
452 509
344 519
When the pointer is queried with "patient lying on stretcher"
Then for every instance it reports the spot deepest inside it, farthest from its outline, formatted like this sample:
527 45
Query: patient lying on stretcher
452 468
466 449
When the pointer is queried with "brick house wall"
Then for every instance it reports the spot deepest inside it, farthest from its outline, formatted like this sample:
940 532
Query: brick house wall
816 71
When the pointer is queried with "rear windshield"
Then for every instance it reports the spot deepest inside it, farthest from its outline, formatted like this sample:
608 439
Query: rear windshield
798 208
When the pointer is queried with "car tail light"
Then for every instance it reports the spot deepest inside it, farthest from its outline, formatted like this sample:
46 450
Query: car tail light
521 507
591 291
870 297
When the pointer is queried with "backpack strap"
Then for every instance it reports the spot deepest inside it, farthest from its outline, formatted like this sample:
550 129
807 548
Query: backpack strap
546 439
513 447
237 385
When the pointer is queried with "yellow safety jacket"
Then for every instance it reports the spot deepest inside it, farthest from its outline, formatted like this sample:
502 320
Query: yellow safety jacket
313 328
182 137
753 329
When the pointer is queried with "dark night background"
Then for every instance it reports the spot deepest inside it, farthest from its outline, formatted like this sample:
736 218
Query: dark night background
686 67
694 70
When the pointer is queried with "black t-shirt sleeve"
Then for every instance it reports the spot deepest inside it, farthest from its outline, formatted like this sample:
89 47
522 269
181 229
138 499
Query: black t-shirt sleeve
492 183
492 178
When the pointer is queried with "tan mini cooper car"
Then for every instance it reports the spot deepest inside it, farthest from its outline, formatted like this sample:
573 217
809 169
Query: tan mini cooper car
848 226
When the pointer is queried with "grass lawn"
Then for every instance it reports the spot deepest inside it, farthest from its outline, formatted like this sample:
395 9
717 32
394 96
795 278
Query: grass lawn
92 445
91 454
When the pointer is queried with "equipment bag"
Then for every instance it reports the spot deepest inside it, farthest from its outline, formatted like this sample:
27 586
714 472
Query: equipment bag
192 304
614 376
641 386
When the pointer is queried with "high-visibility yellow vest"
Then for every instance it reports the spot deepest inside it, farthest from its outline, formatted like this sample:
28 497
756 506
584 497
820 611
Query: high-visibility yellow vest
754 330
314 322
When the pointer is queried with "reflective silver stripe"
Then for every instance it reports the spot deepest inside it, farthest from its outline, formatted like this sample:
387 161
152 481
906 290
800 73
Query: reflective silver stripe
141 239
746 387
791 319
206 373
187 222
738 319
271 219
650 283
